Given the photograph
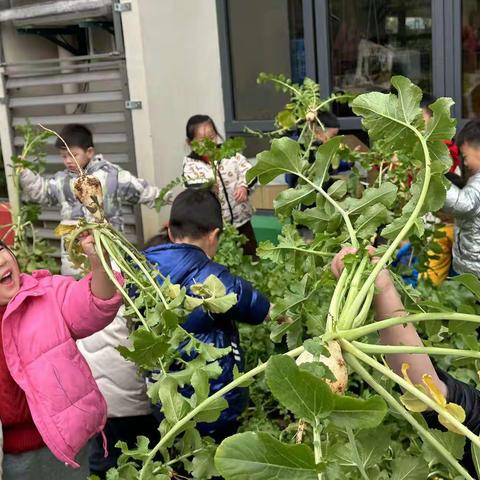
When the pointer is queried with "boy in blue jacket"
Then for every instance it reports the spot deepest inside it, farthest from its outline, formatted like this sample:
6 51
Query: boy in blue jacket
194 229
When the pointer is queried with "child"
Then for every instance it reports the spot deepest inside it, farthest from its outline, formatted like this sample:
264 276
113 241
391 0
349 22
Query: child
387 303
129 412
119 186
231 184
464 204
49 401
186 260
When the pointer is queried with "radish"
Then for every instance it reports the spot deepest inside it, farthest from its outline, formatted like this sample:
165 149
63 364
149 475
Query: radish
88 190
334 362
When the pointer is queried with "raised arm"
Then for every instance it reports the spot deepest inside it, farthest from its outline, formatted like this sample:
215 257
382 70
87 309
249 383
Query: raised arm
39 189
462 201
90 304
136 190
387 304
101 286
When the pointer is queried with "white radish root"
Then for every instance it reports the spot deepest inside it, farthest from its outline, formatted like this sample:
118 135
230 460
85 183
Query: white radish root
310 116
334 362
88 190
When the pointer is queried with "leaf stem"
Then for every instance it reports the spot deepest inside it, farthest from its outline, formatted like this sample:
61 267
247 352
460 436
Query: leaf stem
392 349
124 267
180 424
356 455
332 316
343 213
80 171
408 225
108 270
306 153
395 405
140 265
319 253
347 316
286 85
331 100
183 457
363 314
356 333
317 446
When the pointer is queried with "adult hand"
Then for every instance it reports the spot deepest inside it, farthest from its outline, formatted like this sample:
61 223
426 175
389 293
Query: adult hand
383 279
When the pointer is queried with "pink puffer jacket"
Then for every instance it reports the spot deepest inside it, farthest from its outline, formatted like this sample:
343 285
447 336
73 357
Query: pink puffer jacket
39 329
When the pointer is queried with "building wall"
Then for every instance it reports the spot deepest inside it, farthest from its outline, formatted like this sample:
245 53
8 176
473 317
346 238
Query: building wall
173 63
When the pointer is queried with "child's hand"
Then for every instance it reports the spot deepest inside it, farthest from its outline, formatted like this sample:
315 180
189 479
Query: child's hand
101 285
241 194
87 243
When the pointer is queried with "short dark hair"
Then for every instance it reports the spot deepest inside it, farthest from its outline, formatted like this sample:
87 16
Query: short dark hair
195 213
194 121
161 238
328 119
470 134
426 101
75 135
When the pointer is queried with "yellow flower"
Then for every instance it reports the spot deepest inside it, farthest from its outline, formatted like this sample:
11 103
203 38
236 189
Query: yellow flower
412 403
62 230
409 400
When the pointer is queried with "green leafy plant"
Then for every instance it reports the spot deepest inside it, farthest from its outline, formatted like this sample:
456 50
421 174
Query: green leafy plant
215 153
31 252
338 390
301 112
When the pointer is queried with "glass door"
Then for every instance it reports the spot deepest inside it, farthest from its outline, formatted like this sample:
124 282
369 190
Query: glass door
371 40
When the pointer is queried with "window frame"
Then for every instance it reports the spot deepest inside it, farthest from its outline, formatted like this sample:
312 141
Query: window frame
233 126
446 24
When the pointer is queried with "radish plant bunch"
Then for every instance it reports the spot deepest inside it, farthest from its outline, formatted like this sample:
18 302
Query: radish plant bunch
338 219
339 434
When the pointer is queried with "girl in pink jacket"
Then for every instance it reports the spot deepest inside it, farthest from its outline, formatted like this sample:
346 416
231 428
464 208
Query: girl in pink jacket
49 401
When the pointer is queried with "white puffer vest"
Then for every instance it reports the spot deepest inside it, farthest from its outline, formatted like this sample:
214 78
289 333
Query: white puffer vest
118 379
